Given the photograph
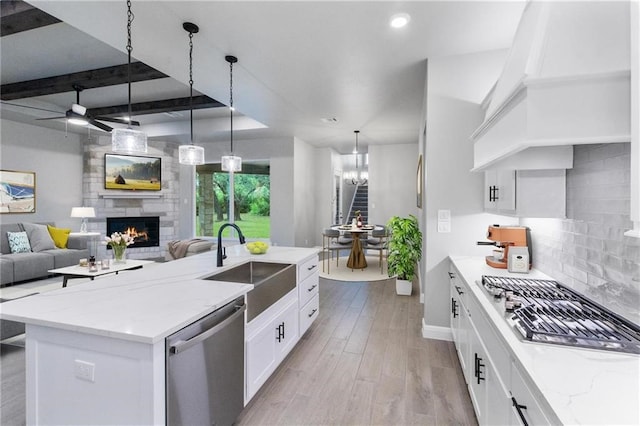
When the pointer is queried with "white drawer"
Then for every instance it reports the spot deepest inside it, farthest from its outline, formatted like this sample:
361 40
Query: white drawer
308 288
309 313
307 268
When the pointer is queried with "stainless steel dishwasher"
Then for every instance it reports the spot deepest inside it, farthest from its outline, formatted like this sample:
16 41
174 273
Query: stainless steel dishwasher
205 369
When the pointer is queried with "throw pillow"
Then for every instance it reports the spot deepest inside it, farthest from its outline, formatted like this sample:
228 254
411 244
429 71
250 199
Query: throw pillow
18 242
39 237
60 236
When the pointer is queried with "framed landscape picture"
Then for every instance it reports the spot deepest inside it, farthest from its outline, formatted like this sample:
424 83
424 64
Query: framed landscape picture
131 172
17 192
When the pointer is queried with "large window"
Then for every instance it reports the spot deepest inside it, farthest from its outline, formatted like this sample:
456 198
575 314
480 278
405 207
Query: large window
252 196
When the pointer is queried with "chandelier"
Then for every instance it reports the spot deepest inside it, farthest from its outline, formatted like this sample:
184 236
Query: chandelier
358 177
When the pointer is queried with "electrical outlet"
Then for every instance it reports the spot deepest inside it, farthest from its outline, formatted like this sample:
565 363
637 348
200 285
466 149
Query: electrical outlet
85 370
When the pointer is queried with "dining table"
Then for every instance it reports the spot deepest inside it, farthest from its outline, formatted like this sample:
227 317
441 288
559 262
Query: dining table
357 258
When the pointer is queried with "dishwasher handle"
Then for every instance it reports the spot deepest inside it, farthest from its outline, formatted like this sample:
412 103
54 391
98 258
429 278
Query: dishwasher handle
183 345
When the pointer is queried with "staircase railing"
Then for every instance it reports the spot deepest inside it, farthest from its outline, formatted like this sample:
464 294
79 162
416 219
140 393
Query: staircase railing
353 200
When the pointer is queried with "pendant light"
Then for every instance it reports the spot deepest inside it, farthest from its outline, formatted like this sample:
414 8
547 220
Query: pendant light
360 178
231 163
128 140
191 154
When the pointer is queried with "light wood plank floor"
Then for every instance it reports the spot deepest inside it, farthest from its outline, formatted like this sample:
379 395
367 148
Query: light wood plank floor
364 361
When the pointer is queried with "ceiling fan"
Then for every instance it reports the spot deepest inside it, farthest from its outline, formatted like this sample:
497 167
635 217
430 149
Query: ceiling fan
78 115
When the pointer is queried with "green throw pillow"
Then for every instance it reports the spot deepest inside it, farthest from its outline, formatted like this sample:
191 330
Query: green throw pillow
18 242
60 236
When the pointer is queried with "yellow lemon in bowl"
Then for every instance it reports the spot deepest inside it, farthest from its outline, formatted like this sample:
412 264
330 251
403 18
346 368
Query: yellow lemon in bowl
257 247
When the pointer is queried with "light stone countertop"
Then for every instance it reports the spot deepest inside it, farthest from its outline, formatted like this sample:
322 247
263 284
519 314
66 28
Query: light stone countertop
582 386
148 304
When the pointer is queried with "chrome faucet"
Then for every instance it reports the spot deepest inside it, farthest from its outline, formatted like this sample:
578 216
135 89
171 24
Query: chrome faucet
222 253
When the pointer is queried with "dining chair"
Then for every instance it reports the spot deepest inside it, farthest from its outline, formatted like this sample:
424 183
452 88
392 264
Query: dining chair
330 244
378 241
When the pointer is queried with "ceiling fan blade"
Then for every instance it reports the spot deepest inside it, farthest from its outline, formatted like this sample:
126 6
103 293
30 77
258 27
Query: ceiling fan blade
32 107
117 120
99 125
52 118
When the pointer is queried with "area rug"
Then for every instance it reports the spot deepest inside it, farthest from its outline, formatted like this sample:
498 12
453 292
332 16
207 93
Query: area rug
342 273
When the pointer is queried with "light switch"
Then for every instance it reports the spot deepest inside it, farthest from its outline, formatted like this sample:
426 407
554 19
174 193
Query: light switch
444 215
444 226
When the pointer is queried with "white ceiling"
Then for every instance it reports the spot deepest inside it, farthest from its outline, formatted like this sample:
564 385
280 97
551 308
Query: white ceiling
299 61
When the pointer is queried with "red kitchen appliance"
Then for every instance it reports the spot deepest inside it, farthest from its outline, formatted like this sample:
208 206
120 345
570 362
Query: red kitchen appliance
505 237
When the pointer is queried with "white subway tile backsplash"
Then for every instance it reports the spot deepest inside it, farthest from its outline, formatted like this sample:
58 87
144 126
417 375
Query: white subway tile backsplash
595 258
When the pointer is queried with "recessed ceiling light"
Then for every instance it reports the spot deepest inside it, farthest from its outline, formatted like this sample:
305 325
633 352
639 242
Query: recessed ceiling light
399 20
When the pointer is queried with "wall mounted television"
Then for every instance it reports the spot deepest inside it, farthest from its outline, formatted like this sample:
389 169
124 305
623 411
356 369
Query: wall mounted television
131 172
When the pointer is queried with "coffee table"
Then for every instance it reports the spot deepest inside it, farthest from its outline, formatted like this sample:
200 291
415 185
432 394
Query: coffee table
76 271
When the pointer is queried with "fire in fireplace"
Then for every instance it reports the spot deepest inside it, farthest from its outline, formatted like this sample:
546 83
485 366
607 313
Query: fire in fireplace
145 230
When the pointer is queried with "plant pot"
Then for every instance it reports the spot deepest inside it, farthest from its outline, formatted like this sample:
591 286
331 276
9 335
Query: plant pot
403 287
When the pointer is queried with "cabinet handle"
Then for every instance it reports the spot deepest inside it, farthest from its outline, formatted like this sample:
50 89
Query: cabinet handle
459 289
479 365
280 335
491 194
311 267
519 409
454 307
313 312
452 275
312 287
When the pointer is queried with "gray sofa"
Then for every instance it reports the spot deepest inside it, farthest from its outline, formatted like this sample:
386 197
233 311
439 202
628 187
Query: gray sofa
16 267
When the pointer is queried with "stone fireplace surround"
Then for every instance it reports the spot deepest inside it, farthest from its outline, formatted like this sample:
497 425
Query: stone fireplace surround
112 203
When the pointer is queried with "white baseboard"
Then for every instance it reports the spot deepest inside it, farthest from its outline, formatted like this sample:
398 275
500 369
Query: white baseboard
435 332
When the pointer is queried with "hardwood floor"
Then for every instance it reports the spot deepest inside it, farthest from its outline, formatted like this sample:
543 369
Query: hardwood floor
362 362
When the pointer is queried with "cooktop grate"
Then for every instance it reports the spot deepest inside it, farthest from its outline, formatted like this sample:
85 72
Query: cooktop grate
553 313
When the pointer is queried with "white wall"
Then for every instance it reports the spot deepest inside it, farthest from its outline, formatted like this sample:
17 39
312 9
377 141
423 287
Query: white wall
392 181
306 201
56 158
451 117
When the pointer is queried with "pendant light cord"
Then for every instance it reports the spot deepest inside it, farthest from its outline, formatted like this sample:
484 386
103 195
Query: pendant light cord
231 100
191 82
130 18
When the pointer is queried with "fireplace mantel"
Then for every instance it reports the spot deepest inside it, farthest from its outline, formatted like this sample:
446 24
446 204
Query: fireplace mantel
134 194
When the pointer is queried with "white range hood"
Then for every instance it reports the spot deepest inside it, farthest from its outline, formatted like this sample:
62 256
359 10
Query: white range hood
566 82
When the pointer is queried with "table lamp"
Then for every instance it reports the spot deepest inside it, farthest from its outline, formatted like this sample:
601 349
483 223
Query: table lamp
84 213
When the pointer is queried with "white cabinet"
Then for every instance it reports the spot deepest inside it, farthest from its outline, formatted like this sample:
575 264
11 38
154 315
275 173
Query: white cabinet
460 323
525 409
500 191
500 393
308 288
272 335
488 394
526 193
269 339
490 398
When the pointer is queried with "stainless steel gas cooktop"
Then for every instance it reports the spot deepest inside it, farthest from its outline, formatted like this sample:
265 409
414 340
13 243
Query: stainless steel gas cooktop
547 311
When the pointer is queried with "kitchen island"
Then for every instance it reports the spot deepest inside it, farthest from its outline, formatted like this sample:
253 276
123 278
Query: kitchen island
511 379
95 353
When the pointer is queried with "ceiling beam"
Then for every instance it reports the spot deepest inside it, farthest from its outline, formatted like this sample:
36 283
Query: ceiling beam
156 107
90 79
18 16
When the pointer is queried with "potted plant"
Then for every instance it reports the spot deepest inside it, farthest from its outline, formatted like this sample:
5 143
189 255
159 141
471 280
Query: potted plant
405 250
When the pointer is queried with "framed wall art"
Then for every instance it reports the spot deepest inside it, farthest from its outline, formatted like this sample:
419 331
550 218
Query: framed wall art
17 192
131 172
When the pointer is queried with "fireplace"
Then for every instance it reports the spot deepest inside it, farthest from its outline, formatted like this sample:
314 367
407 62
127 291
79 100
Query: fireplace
145 230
